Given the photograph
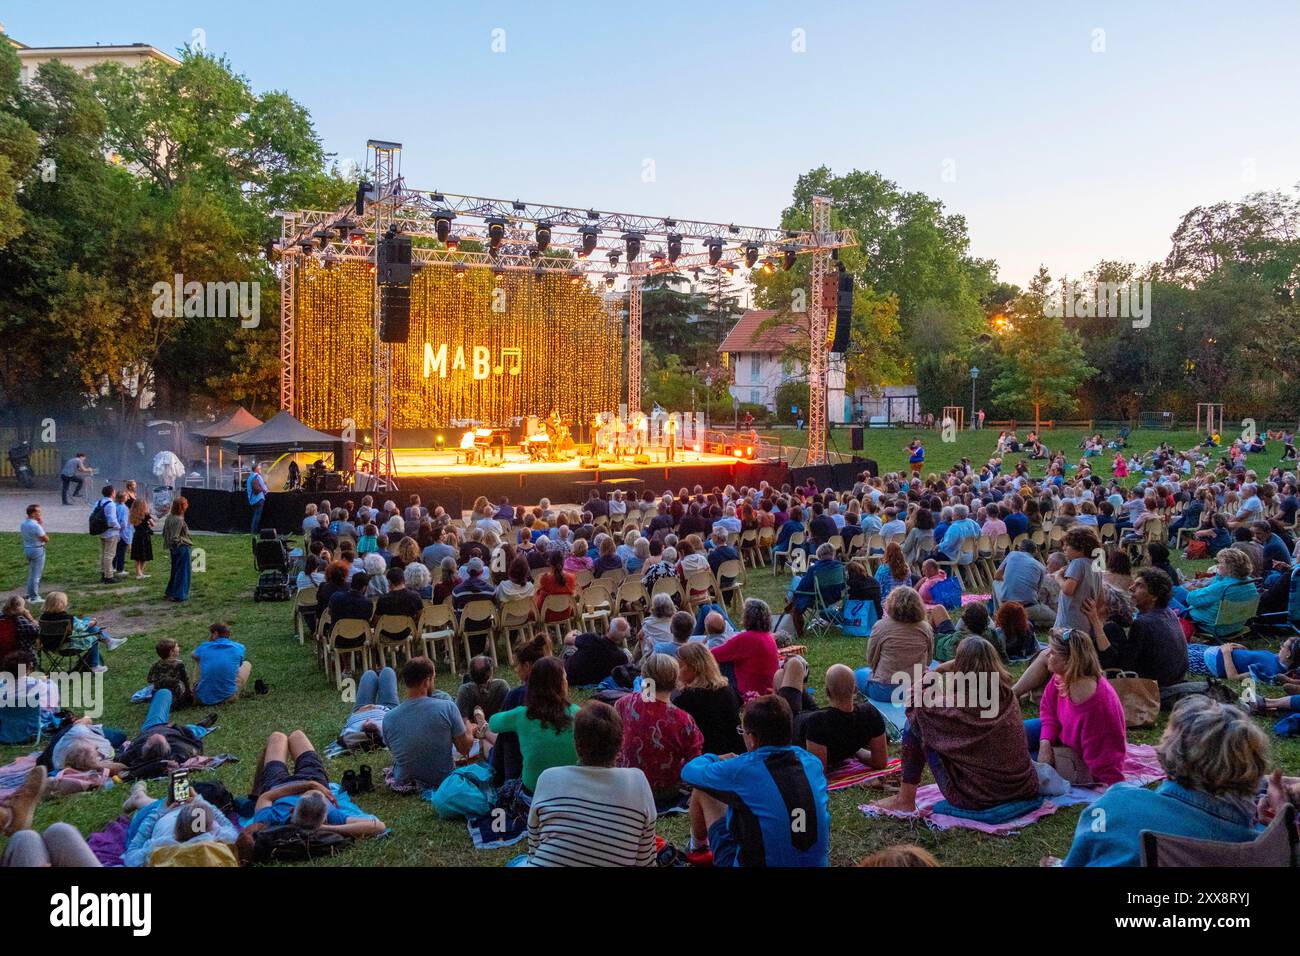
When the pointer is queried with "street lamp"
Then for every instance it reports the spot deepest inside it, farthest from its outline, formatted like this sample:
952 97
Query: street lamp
974 374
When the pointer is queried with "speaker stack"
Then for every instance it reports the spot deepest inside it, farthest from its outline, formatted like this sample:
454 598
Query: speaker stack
394 271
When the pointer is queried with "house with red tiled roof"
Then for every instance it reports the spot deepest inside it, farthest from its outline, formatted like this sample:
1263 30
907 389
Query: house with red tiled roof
764 354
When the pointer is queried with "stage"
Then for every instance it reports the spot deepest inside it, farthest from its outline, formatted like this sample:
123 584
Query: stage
451 463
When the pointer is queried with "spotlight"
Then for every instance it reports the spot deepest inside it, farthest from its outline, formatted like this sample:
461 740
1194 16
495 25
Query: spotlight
751 254
363 188
715 251
460 270
674 246
442 223
323 236
575 277
613 258
791 252
357 237
609 280
343 226
632 240
306 245
657 259
543 235
767 267
588 240
453 243
496 232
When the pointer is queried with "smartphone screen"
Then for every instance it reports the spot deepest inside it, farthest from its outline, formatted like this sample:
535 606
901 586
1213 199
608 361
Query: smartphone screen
180 786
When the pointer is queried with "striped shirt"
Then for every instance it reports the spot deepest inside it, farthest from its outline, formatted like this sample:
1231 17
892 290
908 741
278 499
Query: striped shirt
592 816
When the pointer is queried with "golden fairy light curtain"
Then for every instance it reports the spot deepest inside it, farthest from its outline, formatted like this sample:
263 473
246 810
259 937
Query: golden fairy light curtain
482 348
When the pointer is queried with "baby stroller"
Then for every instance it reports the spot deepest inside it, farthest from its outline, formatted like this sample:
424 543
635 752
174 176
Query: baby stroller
271 559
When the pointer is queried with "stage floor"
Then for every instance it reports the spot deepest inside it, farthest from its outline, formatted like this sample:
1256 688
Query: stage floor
435 462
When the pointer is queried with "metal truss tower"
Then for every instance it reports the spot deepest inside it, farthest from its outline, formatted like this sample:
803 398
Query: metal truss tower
818 331
634 284
288 277
385 181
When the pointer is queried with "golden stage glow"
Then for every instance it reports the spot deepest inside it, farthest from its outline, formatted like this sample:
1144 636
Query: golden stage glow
572 349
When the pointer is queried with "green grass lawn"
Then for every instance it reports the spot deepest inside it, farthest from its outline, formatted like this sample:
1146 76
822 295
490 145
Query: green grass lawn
301 698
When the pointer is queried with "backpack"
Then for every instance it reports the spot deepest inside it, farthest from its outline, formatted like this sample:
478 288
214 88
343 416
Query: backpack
98 520
290 842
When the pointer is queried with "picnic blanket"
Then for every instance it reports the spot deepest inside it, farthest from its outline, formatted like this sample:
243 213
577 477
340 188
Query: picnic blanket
109 844
1141 768
506 823
65 781
853 773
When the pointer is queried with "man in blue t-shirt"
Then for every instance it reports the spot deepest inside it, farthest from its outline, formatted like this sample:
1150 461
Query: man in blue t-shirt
302 797
256 489
766 807
220 671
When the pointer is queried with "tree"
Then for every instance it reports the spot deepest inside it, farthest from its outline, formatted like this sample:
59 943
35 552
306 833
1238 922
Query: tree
1042 361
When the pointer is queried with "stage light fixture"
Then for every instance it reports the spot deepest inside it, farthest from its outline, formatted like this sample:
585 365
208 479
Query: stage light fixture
323 236
613 258
751 254
442 223
632 242
357 238
306 245
674 246
715 251
363 188
453 243
496 232
767 268
575 277
460 270
543 235
588 240
791 252
609 280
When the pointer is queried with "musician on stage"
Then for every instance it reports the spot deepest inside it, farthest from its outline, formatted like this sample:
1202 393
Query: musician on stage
670 439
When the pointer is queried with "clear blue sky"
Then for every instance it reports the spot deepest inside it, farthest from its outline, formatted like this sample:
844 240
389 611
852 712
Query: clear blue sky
1061 155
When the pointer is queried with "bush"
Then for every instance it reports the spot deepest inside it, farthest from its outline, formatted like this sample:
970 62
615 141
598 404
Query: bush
790 394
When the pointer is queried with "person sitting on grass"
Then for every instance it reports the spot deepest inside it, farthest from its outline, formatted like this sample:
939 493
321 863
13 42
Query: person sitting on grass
220 668
168 673
974 621
422 731
589 658
901 855
680 627
752 651
708 697
593 813
1080 711
901 642
1215 757
843 730
544 724
742 805
482 692
1154 646
974 749
658 737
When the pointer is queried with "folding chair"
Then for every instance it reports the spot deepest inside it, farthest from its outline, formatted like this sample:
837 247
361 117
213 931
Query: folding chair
304 610
320 637
393 634
824 613
348 638
749 547
669 585
836 541
1277 846
767 537
478 618
583 577
438 624
701 588
595 607
55 652
794 544
853 544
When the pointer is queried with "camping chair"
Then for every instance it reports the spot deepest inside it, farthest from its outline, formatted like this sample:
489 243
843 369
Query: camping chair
349 637
56 653
824 614
518 617
562 604
1234 613
1275 847
730 580
1285 623
438 624
478 618
304 612
394 634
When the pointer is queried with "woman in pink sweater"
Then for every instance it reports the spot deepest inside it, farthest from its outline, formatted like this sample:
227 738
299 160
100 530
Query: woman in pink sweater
752 652
1079 710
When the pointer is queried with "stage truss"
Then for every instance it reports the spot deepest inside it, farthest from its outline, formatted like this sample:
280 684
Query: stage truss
460 232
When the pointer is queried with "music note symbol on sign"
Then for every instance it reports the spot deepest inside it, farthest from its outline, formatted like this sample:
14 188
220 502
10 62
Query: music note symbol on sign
517 354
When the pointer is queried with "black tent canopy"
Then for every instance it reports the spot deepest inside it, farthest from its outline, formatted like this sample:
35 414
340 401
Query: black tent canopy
283 434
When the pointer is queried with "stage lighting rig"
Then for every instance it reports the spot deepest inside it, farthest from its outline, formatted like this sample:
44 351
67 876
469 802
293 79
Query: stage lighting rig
751 254
715 251
496 228
589 234
632 242
674 246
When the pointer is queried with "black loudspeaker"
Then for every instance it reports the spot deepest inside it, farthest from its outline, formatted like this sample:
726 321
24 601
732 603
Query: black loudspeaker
394 313
843 312
394 255
855 438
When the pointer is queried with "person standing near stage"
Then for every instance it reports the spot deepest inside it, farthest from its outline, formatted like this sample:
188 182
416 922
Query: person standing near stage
74 471
670 438
256 489
176 536
916 457
34 541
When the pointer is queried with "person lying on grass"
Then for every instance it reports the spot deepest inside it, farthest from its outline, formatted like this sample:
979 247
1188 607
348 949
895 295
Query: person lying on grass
303 796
